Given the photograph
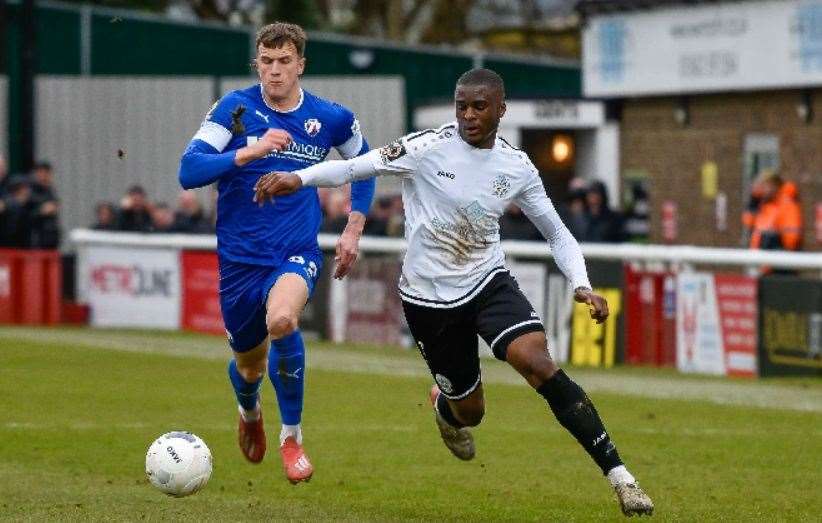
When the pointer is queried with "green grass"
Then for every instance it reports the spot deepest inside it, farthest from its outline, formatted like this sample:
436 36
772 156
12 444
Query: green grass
78 409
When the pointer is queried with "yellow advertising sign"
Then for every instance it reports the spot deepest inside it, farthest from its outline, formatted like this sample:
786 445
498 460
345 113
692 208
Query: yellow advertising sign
592 344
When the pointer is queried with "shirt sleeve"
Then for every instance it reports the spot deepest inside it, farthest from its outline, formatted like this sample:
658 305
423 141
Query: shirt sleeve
393 158
204 160
536 205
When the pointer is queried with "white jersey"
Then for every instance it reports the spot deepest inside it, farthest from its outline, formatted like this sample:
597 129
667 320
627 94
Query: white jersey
454 195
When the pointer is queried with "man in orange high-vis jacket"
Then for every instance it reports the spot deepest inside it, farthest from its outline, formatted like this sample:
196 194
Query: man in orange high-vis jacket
775 220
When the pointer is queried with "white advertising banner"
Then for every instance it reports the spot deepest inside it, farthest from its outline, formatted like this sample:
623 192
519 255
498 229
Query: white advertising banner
699 343
131 287
729 46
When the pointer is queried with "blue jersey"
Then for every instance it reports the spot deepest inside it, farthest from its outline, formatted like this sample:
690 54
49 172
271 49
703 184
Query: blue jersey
269 234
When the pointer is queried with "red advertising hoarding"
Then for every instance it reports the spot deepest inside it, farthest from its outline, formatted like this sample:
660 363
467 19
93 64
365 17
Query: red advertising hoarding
200 310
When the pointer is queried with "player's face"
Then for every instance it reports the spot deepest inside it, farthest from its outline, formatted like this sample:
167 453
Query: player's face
479 110
279 69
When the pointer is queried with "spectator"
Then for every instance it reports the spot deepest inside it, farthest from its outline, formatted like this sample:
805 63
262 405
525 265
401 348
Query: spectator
377 222
162 218
637 220
106 217
604 225
336 213
45 224
774 217
575 213
189 216
514 225
135 211
17 210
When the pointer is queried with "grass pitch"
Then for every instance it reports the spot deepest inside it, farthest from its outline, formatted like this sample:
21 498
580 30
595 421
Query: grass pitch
78 408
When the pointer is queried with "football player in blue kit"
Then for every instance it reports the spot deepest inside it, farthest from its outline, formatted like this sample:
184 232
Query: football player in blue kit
269 258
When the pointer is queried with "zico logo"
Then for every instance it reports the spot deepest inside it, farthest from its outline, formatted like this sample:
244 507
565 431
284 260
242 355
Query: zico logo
792 337
133 280
593 344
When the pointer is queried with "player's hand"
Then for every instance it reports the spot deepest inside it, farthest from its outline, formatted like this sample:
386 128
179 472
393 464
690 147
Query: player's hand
272 140
597 305
348 246
275 184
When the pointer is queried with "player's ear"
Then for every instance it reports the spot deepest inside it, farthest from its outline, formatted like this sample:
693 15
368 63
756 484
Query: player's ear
301 69
502 108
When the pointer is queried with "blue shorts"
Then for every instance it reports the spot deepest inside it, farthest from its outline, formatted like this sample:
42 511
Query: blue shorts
244 290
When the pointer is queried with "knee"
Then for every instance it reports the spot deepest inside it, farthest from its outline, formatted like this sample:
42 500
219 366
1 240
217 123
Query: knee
471 415
251 371
281 323
530 357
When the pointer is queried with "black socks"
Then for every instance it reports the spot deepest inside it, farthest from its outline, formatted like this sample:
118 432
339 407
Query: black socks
574 410
445 411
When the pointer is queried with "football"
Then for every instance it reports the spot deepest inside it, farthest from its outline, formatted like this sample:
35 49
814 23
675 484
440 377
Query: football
178 463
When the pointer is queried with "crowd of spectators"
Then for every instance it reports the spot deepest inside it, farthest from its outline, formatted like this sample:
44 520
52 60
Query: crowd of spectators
588 215
29 208
136 213
29 213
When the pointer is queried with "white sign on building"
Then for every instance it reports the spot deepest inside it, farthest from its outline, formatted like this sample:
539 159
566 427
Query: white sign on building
688 49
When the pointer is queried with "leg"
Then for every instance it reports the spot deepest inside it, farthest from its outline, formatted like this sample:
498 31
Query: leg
286 359
246 374
448 343
244 318
286 367
528 354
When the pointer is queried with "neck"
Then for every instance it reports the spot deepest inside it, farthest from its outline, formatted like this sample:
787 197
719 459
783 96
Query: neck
285 103
485 143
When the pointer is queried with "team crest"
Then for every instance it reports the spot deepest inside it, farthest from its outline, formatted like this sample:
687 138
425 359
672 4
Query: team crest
392 151
501 185
444 384
312 127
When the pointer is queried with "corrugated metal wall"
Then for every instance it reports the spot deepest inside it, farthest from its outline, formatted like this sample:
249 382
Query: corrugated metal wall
82 123
4 116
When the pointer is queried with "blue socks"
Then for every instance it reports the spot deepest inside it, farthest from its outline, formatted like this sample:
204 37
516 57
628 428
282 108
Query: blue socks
286 368
247 393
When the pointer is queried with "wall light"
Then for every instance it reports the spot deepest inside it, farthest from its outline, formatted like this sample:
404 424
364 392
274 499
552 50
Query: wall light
562 149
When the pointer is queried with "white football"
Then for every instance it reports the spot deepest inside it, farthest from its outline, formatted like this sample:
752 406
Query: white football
178 463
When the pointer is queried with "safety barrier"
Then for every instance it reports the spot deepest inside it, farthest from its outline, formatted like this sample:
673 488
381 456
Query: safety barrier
664 310
30 287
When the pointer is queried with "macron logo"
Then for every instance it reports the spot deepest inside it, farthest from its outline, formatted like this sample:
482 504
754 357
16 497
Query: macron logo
261 115
445 174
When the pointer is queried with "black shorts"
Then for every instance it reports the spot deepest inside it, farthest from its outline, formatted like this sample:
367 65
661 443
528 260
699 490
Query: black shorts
447 338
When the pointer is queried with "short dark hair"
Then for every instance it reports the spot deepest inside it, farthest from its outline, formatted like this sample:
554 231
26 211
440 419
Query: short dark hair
136 189
42 165
484 77
276 35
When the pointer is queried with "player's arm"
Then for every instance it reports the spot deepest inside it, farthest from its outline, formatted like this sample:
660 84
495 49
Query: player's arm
392 159
350 145
205 159
536 205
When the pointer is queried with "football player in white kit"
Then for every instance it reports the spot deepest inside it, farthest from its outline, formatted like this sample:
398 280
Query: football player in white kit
457 181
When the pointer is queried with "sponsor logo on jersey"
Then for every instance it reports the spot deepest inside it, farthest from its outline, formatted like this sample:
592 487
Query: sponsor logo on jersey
444 384
312 127
295 150
446 174
261 115
297 259
501 185
392 151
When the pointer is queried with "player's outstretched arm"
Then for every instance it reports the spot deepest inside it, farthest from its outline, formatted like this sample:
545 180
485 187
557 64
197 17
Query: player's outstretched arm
203 164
